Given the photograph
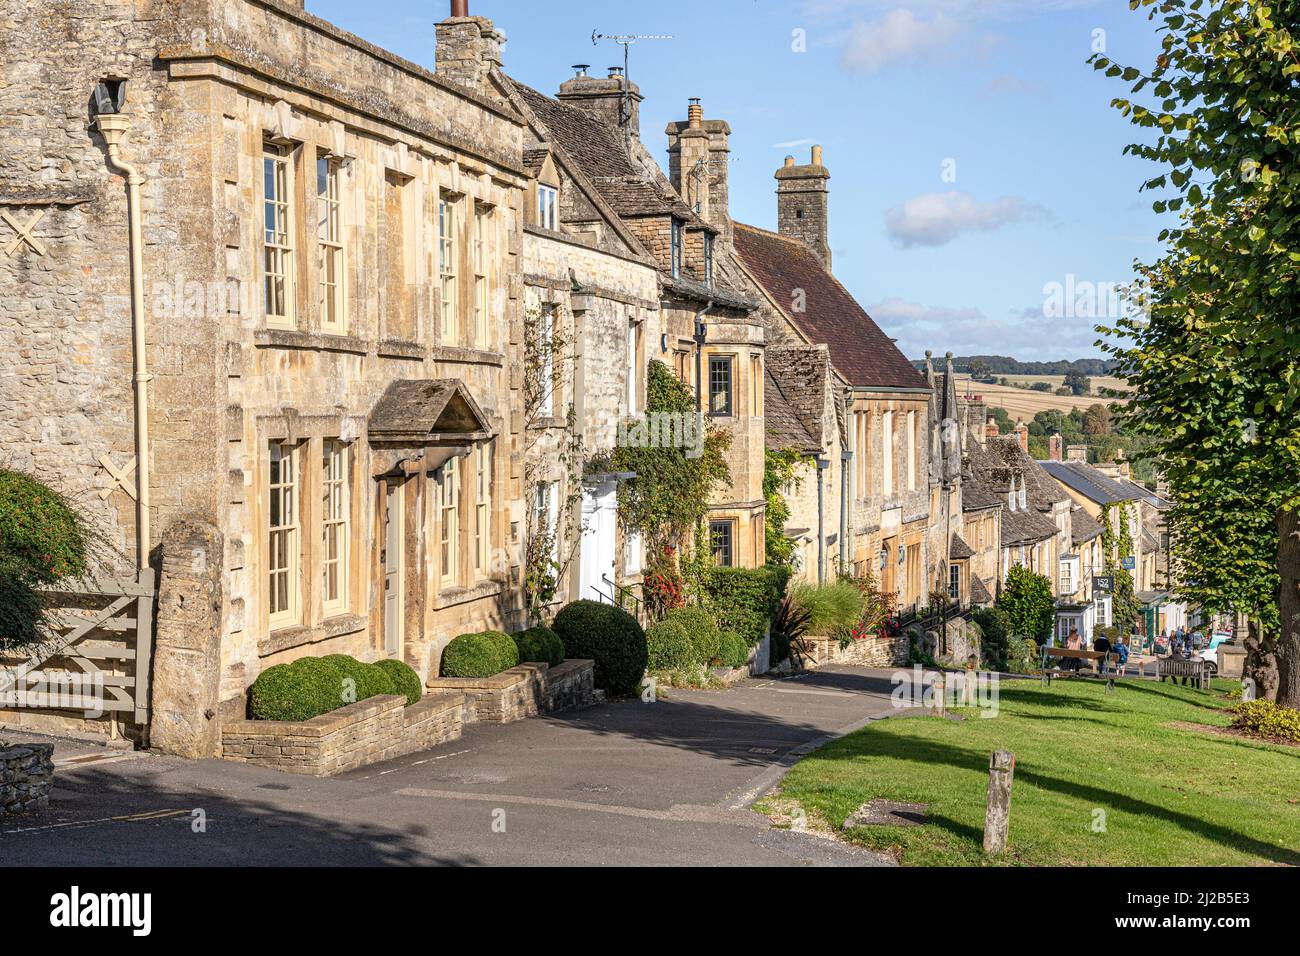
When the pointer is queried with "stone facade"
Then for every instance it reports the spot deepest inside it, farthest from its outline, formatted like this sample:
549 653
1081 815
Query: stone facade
366 732
26 776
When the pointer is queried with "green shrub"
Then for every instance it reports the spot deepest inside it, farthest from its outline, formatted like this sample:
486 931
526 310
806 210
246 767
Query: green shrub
302 690
744 600
479 655
1263 718
1022 655
39 531
540 645
735 652
996 627
706 639
21 610
369 680
403 677
669 646
609 636
832 607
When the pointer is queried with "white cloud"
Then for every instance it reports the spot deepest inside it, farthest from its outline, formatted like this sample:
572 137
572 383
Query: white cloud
935 219
791 144
966 330
898 36
1006 83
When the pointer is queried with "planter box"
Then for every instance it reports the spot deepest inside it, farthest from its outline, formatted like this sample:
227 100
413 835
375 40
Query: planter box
366 732
523 691
870 652
26 775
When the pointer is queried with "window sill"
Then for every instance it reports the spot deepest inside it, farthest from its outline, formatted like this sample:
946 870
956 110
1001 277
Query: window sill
466 356
316 341
453 596
396 348
296 635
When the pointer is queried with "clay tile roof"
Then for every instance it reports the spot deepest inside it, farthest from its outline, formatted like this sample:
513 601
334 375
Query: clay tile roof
862 353
959 549
1040 489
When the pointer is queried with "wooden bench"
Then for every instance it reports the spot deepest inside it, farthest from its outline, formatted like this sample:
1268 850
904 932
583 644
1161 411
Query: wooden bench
1176 667
1102 659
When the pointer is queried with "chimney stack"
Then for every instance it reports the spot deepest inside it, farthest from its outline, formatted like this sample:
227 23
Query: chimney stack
699 153
611 99
991 430
1022 435
468 48
802 201
1077 453
1054 446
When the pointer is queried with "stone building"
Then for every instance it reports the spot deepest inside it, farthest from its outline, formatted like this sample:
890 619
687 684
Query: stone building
331 316
703 328
884 472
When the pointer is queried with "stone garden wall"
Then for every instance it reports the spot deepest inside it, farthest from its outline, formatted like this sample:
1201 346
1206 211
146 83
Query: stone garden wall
869 652
366 732
26 775
523 691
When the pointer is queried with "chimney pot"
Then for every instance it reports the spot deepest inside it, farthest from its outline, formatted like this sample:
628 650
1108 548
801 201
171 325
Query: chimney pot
695 113
460 8
816 155
580 69
789 160
615 72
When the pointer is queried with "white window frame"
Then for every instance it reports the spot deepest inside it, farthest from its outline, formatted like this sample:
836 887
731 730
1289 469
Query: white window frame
545 343
277 235
482 287
331 260
447 271
449 522
547 206
483 461
336 521
283 489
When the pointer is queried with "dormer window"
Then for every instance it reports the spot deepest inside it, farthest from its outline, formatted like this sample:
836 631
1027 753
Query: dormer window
547 205
677 249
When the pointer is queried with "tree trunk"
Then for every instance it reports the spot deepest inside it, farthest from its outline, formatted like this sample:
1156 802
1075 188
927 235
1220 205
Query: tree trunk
1261 661
1288 645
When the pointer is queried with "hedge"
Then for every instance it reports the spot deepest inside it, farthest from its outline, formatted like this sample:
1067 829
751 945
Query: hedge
610 637
369 680
479 655
744 600
700 627
669 646
404 679
734 652
302 690
539 644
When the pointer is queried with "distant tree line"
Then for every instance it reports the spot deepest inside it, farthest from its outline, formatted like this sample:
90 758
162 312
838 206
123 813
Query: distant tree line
980 365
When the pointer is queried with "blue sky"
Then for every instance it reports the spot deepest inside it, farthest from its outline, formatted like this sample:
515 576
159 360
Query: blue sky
974 156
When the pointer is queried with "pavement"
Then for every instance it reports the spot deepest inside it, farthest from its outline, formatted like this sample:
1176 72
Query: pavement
619 783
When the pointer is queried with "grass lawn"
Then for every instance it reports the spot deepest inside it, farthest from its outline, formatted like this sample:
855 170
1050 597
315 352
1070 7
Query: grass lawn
1172 797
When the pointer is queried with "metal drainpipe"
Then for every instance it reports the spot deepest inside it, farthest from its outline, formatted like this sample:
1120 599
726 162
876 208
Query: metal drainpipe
820 466
699 361
846 462
113 128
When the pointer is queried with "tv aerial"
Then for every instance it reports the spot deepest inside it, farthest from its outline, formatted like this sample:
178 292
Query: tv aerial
626 40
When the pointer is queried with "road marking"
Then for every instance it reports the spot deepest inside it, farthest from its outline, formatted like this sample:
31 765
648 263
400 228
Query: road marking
820 693
128 818
677 813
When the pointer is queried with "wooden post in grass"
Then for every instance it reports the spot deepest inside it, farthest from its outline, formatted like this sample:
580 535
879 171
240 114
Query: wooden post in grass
1002 768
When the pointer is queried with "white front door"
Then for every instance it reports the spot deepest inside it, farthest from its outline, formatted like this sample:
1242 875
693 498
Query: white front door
596 559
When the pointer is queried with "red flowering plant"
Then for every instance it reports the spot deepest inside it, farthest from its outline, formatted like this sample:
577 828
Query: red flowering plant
662 585
876 608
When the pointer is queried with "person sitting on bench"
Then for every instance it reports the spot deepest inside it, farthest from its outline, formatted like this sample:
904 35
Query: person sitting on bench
1075 643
